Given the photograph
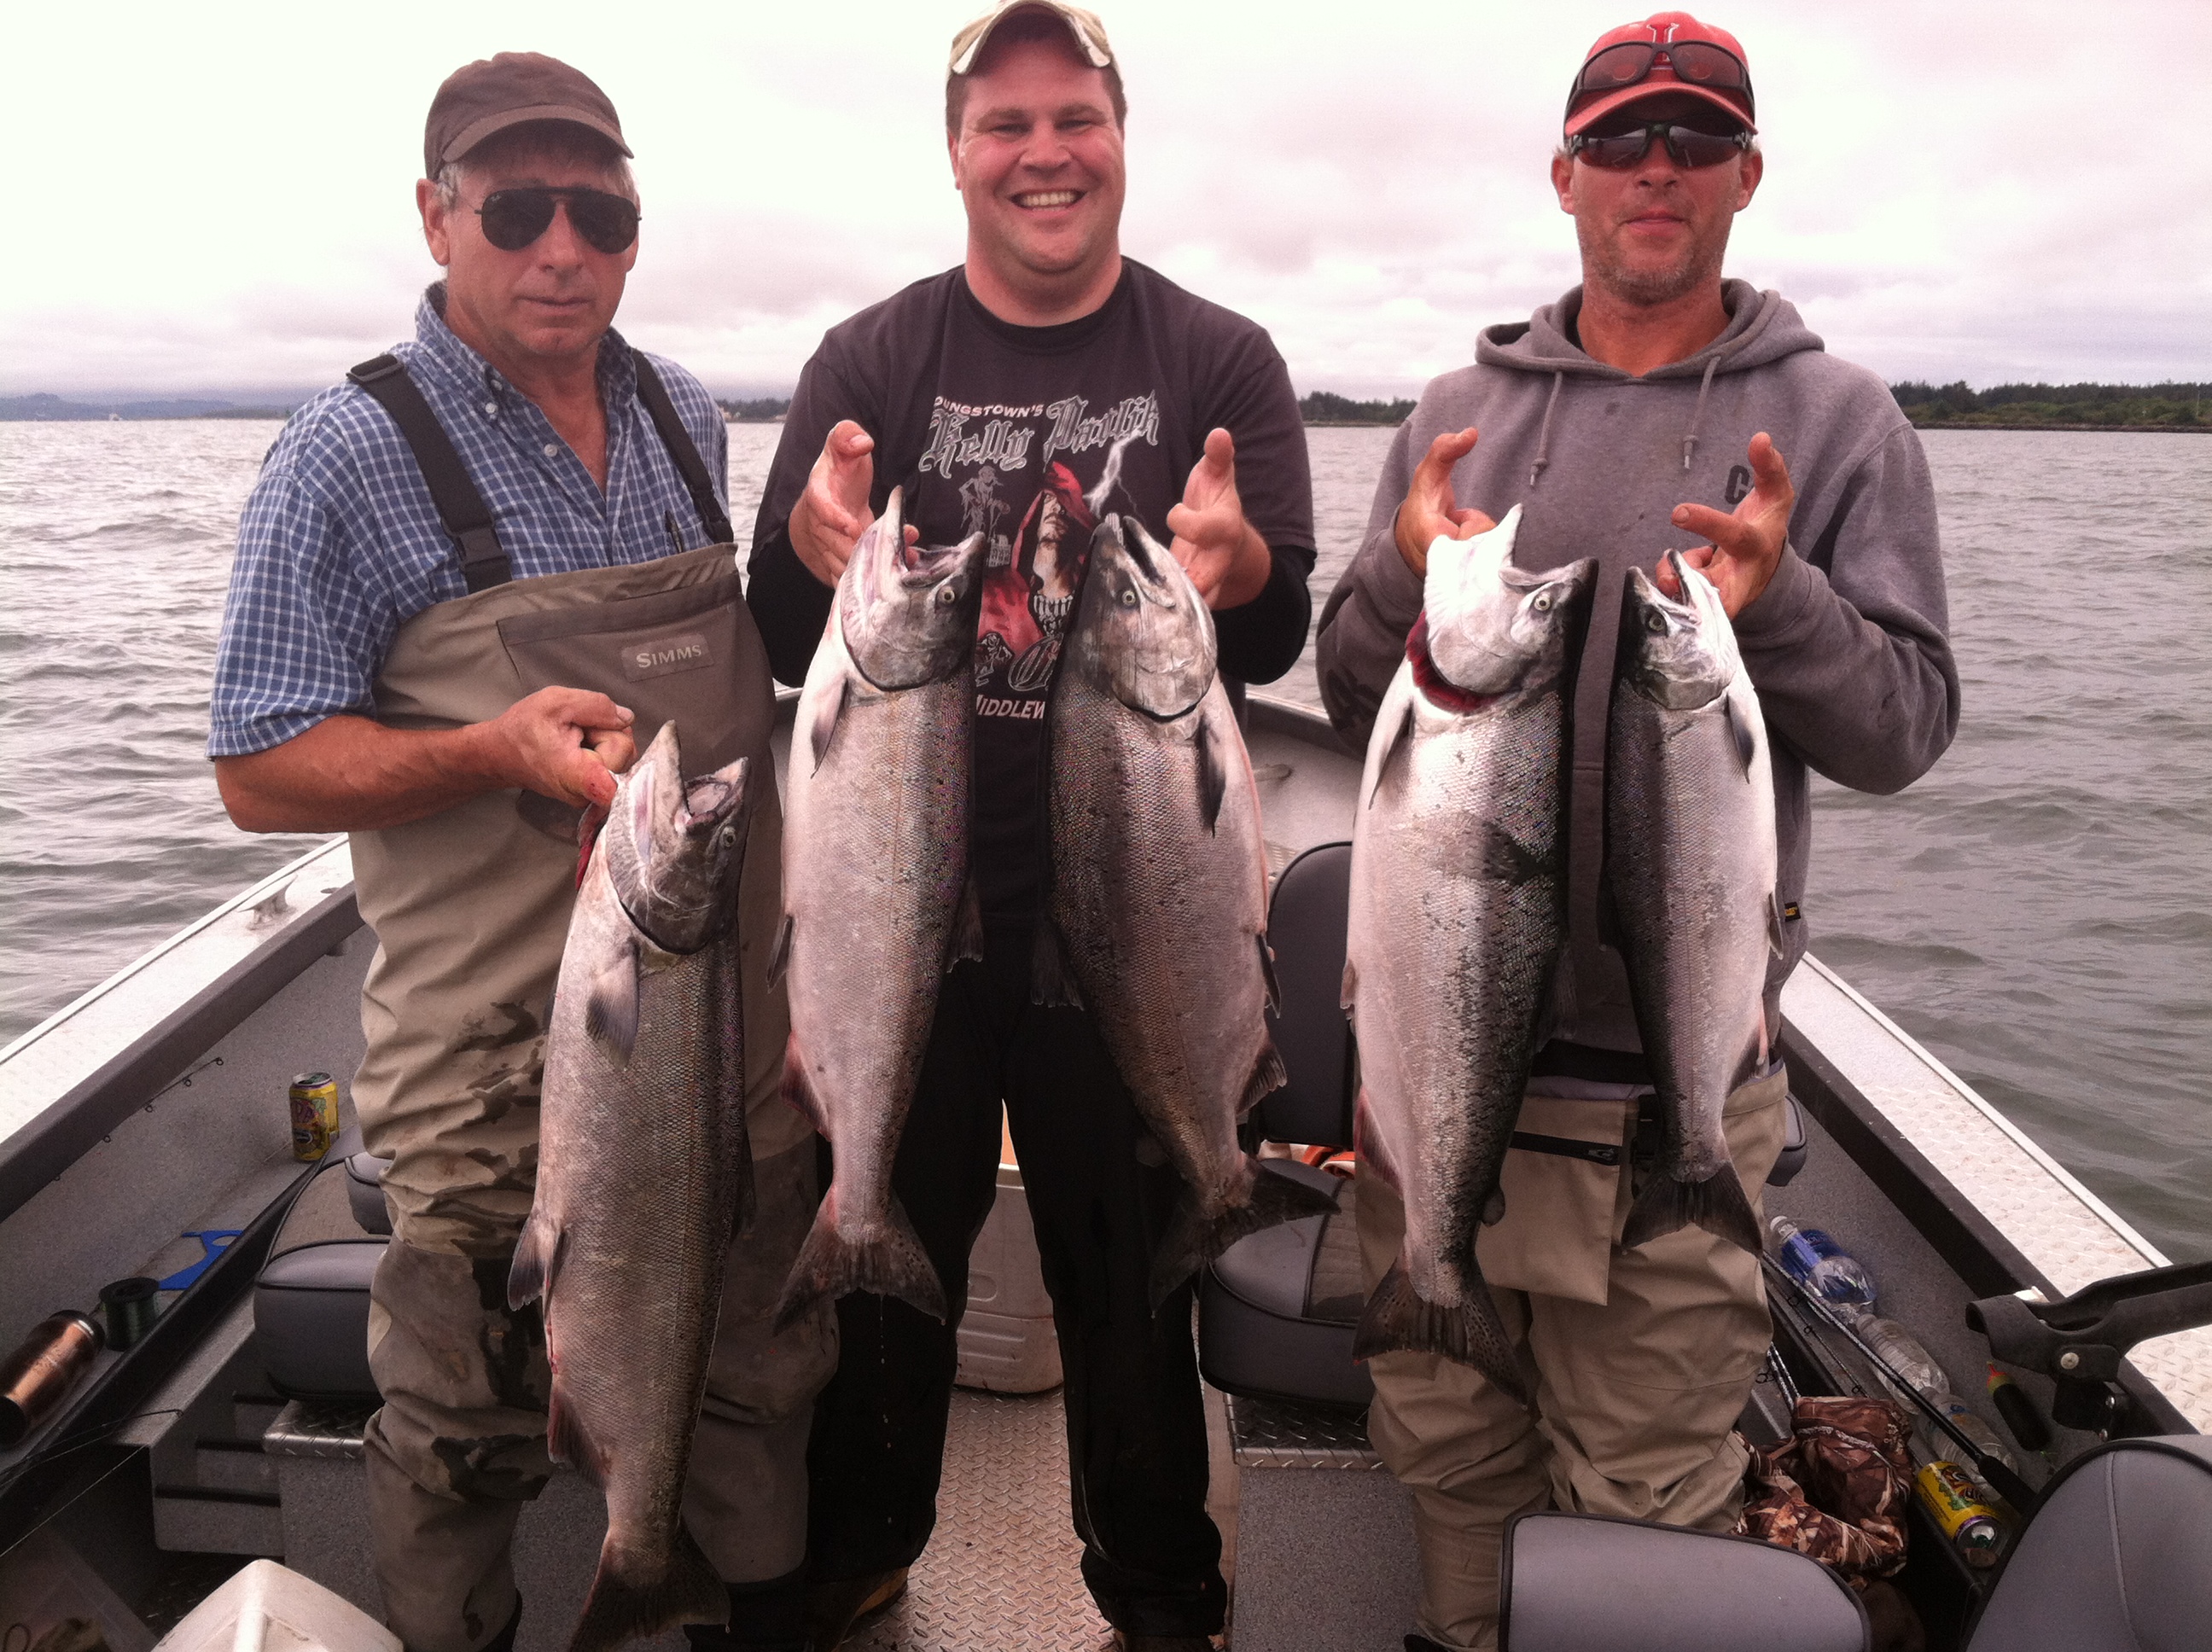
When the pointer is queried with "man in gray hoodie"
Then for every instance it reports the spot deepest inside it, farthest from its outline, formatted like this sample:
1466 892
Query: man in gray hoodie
1650 408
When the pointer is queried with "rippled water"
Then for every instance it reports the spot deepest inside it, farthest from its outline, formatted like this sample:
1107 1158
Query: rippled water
2036 910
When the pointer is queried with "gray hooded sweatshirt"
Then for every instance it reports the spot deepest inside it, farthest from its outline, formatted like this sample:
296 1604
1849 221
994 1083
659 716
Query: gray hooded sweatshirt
1845 646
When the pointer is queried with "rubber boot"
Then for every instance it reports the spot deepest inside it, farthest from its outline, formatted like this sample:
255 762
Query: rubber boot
764 1616
833 1609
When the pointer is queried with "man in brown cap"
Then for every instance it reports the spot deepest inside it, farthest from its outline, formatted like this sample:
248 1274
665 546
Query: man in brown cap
445 576
1041 382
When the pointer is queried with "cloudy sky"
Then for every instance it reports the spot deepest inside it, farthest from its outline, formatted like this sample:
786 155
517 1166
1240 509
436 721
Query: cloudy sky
220 197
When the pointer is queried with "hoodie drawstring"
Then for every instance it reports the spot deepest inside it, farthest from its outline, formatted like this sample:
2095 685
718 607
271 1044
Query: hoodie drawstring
1696 418
1544 436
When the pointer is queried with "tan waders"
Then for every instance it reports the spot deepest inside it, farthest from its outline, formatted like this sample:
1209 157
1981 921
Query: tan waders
471 908
1640 1360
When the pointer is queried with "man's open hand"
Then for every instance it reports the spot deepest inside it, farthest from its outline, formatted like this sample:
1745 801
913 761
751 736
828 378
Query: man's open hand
1745 546
565 743
1430 513
1223 553
832 513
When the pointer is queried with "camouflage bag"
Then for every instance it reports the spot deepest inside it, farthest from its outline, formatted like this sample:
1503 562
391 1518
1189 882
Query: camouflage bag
1838 1489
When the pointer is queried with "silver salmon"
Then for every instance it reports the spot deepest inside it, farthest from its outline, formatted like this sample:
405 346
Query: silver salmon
1690 865
1157 912
877 904
643 1171
1457 917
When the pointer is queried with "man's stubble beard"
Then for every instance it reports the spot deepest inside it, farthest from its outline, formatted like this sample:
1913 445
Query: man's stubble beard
1699 266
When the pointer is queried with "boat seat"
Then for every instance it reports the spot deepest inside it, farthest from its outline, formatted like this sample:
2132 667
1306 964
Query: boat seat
311 1301
1276 1311
2116 1555
1598 1584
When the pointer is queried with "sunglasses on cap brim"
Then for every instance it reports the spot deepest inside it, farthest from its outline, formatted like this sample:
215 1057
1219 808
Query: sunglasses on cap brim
1694 63
1690 147
514 218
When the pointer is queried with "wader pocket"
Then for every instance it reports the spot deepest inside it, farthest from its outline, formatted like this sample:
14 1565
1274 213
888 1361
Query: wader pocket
1566 1189
690 655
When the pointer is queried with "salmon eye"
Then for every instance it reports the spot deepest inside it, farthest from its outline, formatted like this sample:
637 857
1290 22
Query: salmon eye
1655 623
946 595
1543 603
1128 596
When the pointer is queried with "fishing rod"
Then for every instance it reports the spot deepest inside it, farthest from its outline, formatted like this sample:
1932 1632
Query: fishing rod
2005 1481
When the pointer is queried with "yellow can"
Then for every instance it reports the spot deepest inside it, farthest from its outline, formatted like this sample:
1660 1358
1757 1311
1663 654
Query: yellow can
315 1115
1951 1498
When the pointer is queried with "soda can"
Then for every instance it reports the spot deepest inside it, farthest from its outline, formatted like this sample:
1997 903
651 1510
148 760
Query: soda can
315 1115
1956 1503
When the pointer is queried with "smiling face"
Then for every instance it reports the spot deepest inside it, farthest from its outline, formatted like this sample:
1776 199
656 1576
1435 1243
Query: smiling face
1656 232
1038 163
547 305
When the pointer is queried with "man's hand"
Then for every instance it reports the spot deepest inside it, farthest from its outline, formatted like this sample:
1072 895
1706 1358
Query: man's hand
565 743
1747 546
1430 513
832 513
351 774
1223 553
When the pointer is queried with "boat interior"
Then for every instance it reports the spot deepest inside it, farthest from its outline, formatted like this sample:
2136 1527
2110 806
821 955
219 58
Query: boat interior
144 1131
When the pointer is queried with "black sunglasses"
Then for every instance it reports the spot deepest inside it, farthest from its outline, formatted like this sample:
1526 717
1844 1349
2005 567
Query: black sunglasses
514 218
1690 147
1695 62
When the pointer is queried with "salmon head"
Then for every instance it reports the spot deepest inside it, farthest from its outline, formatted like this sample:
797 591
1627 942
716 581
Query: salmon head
676 846
1679 654
1143 633
1491 628
908 612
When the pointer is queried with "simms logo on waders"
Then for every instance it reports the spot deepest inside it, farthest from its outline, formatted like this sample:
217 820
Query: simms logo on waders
661 656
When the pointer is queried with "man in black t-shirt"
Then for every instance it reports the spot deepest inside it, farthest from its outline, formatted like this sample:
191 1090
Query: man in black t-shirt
1045 382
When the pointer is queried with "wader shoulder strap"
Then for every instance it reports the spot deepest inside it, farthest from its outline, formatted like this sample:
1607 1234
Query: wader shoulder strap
681 449
461 506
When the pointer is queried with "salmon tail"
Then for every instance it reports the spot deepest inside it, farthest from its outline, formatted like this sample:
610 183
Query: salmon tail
1193 1240
828 1266
630 1599
1398 1318
1717 1205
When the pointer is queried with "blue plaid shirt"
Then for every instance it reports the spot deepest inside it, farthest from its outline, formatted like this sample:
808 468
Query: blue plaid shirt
340 544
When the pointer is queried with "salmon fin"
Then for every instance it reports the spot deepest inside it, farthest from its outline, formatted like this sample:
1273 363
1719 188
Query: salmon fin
967 929
779 955
1506 861
797 1093
1268 1076
1397 1319
618 1610
1213 776
1717 1205
566 1443
1740 731
827 715
1774 943
610 1011
1494 1208
537 1261
1192 1239
1367 1145
893 1264
1350 994
1268 973
1399 714
1051 984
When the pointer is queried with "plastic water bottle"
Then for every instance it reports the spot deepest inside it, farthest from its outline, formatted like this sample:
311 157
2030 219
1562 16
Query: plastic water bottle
1918 1366
1824 1267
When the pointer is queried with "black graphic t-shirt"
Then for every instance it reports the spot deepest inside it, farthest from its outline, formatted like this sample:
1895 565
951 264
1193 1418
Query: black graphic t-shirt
1030 436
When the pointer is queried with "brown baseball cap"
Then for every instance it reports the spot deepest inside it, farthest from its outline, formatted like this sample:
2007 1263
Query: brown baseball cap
1087 32
493 94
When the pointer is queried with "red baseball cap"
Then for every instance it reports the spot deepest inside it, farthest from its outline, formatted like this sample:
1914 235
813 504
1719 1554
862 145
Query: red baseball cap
1667 52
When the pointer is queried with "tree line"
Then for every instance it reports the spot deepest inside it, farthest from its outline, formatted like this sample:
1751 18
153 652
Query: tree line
2119 406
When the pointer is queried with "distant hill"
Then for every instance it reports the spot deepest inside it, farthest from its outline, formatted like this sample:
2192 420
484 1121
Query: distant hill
2093 407
766 410
47 409
1326 407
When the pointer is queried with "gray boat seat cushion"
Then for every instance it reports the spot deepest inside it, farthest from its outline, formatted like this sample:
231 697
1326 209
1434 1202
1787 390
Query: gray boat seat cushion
1277 1308
311 1301
364 1176
1596 1584
2117 1556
